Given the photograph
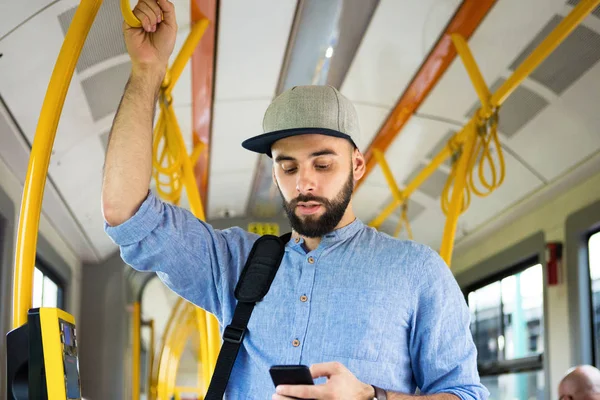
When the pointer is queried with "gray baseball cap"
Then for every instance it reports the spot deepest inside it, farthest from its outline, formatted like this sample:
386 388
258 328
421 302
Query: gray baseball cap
306 109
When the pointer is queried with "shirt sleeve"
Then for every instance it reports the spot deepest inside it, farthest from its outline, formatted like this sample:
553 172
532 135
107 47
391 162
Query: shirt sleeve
443 354
197 262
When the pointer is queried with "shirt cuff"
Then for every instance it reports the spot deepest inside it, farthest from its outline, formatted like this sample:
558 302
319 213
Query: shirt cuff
136 228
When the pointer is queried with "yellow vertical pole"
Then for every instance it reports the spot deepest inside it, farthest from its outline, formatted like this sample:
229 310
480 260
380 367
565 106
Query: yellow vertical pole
150 359
136 352
458 188
203 369
214 341
33 192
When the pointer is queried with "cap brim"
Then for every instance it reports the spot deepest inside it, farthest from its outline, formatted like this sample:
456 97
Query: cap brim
262 143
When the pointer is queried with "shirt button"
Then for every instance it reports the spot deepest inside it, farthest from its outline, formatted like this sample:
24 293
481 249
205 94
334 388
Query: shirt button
296 343
311 260
303 298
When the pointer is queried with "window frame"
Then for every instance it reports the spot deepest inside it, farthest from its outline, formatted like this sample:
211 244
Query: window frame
512 259
522 364
579 227
54 277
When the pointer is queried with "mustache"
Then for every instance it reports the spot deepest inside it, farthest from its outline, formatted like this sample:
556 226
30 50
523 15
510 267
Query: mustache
305 198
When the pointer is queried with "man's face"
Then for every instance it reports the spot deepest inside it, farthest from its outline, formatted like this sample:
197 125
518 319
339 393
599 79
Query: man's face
315 175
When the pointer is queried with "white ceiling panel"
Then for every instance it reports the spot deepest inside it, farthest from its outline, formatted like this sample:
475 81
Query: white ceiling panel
368 199
566 132
370 119
15 152
233 122
87 209
76 169
253 36
429 227
495 44
399 37
229 191
29 72
14 13
518 182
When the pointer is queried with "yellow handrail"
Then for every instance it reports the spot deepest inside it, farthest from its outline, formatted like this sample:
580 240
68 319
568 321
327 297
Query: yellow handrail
33 192
128 15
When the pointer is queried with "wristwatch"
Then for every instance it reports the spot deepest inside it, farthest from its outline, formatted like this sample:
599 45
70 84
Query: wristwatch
380 394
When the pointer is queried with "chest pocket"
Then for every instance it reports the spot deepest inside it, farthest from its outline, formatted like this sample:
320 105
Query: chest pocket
355 323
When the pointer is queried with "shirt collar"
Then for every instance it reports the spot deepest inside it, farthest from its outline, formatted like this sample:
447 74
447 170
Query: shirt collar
337 235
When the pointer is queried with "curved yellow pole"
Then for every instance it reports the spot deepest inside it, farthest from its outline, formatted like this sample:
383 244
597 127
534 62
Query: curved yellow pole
128 15
33 192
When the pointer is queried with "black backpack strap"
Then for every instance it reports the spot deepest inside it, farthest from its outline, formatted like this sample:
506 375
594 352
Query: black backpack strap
254 283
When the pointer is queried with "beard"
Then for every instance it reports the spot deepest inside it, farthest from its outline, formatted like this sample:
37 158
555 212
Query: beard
317 226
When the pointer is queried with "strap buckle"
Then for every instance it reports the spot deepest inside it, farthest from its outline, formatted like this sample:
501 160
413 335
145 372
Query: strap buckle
234 335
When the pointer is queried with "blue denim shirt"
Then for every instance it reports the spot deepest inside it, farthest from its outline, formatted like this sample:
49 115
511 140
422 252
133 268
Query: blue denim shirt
389 310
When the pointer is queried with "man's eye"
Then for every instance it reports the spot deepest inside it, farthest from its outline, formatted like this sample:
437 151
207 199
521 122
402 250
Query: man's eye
321 166
289 170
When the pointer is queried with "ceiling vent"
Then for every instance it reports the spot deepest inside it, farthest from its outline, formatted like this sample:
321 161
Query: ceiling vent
595 12
105 39
104 90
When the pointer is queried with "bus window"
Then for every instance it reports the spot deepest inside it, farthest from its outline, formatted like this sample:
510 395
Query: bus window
47 291
594 263
508 329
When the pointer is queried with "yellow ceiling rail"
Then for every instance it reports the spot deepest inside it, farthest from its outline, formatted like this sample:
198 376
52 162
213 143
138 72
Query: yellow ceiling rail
37 170
185 54
474 142
543 50
473 70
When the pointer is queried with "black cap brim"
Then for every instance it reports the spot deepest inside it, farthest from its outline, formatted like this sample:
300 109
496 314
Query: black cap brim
262 143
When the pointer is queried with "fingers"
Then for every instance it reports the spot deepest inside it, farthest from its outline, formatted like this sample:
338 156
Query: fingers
285 392
168 10
326 369
153 5
144 13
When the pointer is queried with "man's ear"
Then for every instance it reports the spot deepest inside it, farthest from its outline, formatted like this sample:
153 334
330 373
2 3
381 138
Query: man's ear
359 165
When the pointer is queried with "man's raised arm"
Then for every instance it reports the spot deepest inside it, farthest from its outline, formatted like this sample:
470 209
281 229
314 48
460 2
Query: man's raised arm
128 165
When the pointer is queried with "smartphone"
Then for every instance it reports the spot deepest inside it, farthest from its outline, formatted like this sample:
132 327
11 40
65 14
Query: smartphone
291 375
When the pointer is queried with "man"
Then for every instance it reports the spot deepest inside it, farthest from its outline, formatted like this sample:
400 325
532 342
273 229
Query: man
580 383
364 310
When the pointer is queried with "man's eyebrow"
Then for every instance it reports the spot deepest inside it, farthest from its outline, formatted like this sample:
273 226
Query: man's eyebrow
324 152
283 157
